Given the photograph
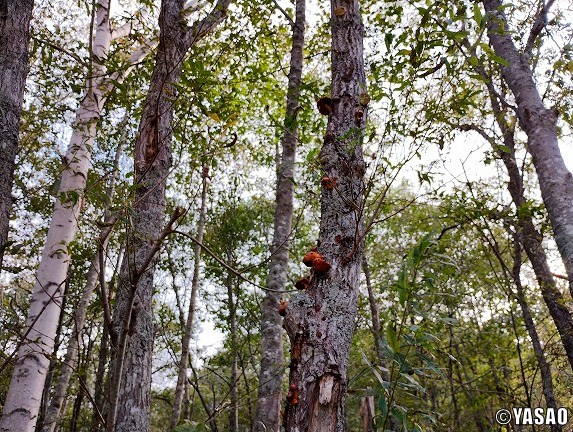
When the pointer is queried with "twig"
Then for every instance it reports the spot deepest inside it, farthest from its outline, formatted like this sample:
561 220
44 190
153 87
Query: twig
538 26
284 12
227 266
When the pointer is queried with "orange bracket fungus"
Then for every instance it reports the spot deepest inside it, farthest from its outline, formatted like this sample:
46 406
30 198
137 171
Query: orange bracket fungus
302 284
292 395
310 257
320 265
328 183
316 261
324 105
282 308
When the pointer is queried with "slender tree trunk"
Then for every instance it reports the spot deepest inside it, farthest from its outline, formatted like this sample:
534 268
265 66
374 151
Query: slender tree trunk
544 368
53 411
234 410
272 364
99 388
24 395
53 362
528 235
320 320
374 312
184 362
130 384
539 123
14 40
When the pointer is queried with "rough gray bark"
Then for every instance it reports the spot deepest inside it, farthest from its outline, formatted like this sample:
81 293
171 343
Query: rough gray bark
14 40
539 123
320 320
184 361
272 363
54 410
130 384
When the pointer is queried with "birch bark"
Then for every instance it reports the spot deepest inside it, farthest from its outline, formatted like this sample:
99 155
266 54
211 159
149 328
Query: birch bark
54 410
24 394
272 364
14 41
539 123
320 320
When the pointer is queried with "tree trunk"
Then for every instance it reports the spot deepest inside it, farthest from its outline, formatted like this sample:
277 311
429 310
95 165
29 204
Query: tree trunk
528 235
374 312
184 362
544 368
539 123
367 413
234 409
14 40
320 320
272 364
130 384
99 387
25 392
53 412
53 362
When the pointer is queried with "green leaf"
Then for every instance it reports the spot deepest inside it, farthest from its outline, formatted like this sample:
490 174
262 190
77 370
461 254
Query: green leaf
499 60
478 17
383 405
388 38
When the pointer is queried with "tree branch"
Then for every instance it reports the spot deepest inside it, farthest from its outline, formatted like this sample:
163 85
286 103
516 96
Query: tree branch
538 26
224 264
285 13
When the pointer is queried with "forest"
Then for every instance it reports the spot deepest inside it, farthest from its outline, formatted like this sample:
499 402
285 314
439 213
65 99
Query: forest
286 215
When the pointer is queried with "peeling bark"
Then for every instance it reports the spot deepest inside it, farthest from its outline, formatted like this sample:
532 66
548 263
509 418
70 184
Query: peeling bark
272 363
130 384
54 409
539 123
14 41
320 321
24 395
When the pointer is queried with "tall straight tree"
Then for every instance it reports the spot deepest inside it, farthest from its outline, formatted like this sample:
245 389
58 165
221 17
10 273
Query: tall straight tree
130 387
538 122
195 284
271 372
24 395
320 320
23 401
14 40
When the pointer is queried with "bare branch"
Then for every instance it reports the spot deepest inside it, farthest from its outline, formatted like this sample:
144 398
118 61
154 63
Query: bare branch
538 25
76 57
224 264
284 12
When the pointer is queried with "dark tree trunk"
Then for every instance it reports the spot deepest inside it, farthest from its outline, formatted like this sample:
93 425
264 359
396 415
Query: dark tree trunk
272 364
130 384
320 321
14 41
